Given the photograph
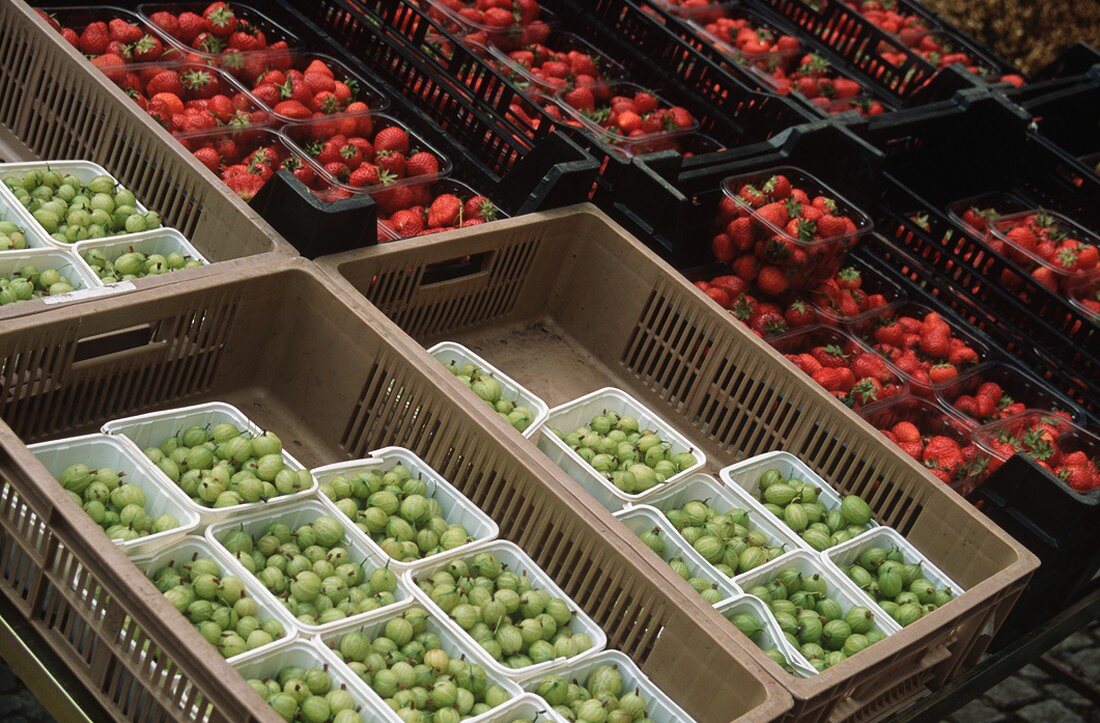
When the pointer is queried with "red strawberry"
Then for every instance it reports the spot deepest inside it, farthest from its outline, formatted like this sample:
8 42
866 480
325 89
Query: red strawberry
778 187
906 432
733 285
367 175
849 278
209 158
220 19
392 139
123 31
421 164
772 281
245 185
445 210
166 81
799 313
723 248
720 295
407 223
830 356
200 83
739 231
940 373
746 266
94 39
581 98
391 161
478 207
292 109
147 49
936 343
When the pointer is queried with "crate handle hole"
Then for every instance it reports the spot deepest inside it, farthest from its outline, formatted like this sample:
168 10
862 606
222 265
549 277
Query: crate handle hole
465 267
113 346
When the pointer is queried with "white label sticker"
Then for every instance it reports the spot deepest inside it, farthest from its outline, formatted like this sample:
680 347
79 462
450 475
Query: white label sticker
83 294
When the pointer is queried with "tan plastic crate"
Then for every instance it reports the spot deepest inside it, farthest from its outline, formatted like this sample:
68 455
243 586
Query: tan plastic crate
333 380
566 302
54 105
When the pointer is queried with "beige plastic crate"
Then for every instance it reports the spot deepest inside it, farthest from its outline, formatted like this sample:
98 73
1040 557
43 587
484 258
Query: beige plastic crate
569 302
337 379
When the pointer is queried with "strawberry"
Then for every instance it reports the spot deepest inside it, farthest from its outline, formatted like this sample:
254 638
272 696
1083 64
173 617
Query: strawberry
245 185
733 285
392 139
94 39
479 207
832 378
849 278
778 187
739 231
367 175
720 295
940 373
865 391
392 161
147 49
292 109
166 81
830 356
422 163
220 19
799 313
209 158
936 343
200 83
445 210
722 247
747 267
581 98
772 281
871 366
406 223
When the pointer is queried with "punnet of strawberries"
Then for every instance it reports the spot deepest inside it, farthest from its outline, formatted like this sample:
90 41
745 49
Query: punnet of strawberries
784 230
927 350
850 298
842 365
631 114
365 152
892 17
565 61
942 443
433 208
852 294
941 51
112 39
504 23
1058 445
996 391
246 160
187 98
1057 252
779 57
312 87
218 29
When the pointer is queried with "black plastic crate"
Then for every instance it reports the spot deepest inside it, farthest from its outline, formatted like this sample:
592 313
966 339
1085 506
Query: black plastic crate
670 202
862 43
520 172
930 285
654 54
976 145
731 113
1062 531
656 12
1067 114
